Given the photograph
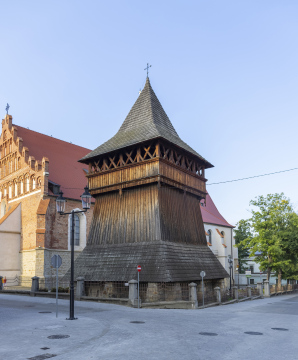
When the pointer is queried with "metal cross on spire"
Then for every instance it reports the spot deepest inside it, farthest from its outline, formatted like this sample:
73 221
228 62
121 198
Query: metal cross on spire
147 68
7 108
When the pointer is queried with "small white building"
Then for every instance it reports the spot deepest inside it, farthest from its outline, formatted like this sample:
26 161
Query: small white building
219 235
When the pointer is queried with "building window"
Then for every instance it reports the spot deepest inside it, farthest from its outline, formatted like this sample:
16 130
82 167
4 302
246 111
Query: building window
223 238
80 230
76 229
33 184
209 236
15 189
22 186
10 191
251 281
27 184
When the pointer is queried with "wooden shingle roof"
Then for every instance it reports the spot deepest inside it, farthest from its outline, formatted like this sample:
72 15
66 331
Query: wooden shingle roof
161 261
146 120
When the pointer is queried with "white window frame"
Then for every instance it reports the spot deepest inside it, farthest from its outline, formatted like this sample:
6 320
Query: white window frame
83 230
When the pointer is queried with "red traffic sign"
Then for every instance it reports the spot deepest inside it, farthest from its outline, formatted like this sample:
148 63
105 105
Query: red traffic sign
139 268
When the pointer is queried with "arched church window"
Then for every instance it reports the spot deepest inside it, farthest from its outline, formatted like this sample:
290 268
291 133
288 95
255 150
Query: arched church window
209 232
27 181
80 230
223 237
15 189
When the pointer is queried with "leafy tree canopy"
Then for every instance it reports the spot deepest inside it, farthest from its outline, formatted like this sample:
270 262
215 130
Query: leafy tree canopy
274 241
242 232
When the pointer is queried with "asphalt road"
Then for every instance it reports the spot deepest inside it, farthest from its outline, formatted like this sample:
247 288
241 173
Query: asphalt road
105 331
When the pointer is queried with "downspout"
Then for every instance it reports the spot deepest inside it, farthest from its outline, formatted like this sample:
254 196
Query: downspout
232 256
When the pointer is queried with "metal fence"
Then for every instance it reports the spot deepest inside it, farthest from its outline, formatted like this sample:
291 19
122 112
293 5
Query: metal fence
106 290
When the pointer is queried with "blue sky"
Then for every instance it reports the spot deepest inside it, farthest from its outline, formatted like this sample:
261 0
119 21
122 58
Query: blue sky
225 72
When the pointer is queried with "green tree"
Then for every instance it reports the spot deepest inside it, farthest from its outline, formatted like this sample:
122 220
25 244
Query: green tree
241 233
289 246
275 236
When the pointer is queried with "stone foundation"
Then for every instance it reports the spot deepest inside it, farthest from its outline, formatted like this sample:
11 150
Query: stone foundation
154 292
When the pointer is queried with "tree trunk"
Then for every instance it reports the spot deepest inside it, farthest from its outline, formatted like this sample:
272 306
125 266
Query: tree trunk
269 268
268 273
279 279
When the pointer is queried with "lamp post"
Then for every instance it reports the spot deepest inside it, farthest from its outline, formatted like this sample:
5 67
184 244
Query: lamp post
60 205
230 261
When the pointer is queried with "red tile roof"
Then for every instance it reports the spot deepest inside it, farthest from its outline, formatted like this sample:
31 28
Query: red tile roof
211 215
63 158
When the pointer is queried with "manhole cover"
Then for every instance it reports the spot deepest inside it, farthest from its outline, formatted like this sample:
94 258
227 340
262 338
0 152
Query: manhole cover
44 348
58 336
45 312
280 329
137 322
42 357
208 334
253 333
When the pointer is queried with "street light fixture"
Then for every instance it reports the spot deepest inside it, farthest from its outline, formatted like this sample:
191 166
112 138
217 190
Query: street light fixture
60 205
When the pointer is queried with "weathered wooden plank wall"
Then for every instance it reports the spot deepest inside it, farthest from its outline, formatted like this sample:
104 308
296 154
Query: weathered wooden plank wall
130 217
180 216
146 214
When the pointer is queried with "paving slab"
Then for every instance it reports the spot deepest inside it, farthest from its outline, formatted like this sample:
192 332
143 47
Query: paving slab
260 329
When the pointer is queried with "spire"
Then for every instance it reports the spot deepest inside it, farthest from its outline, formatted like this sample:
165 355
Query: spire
146 120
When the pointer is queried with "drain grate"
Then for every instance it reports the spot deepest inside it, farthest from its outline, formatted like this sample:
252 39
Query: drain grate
44 348
45 312
42 357
253 333
208 334
137 322
58 336
280 329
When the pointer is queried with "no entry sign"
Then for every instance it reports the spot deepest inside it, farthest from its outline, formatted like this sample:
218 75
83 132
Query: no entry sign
139 268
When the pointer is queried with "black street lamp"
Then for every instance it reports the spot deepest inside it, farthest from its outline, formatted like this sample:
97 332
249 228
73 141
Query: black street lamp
60 205
230 261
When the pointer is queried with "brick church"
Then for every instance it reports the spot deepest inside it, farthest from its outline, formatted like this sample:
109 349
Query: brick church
35 167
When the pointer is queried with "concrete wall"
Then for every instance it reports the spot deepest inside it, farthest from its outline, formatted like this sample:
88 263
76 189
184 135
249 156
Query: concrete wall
10 240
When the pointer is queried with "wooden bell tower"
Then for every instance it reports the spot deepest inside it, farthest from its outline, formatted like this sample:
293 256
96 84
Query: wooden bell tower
148 185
